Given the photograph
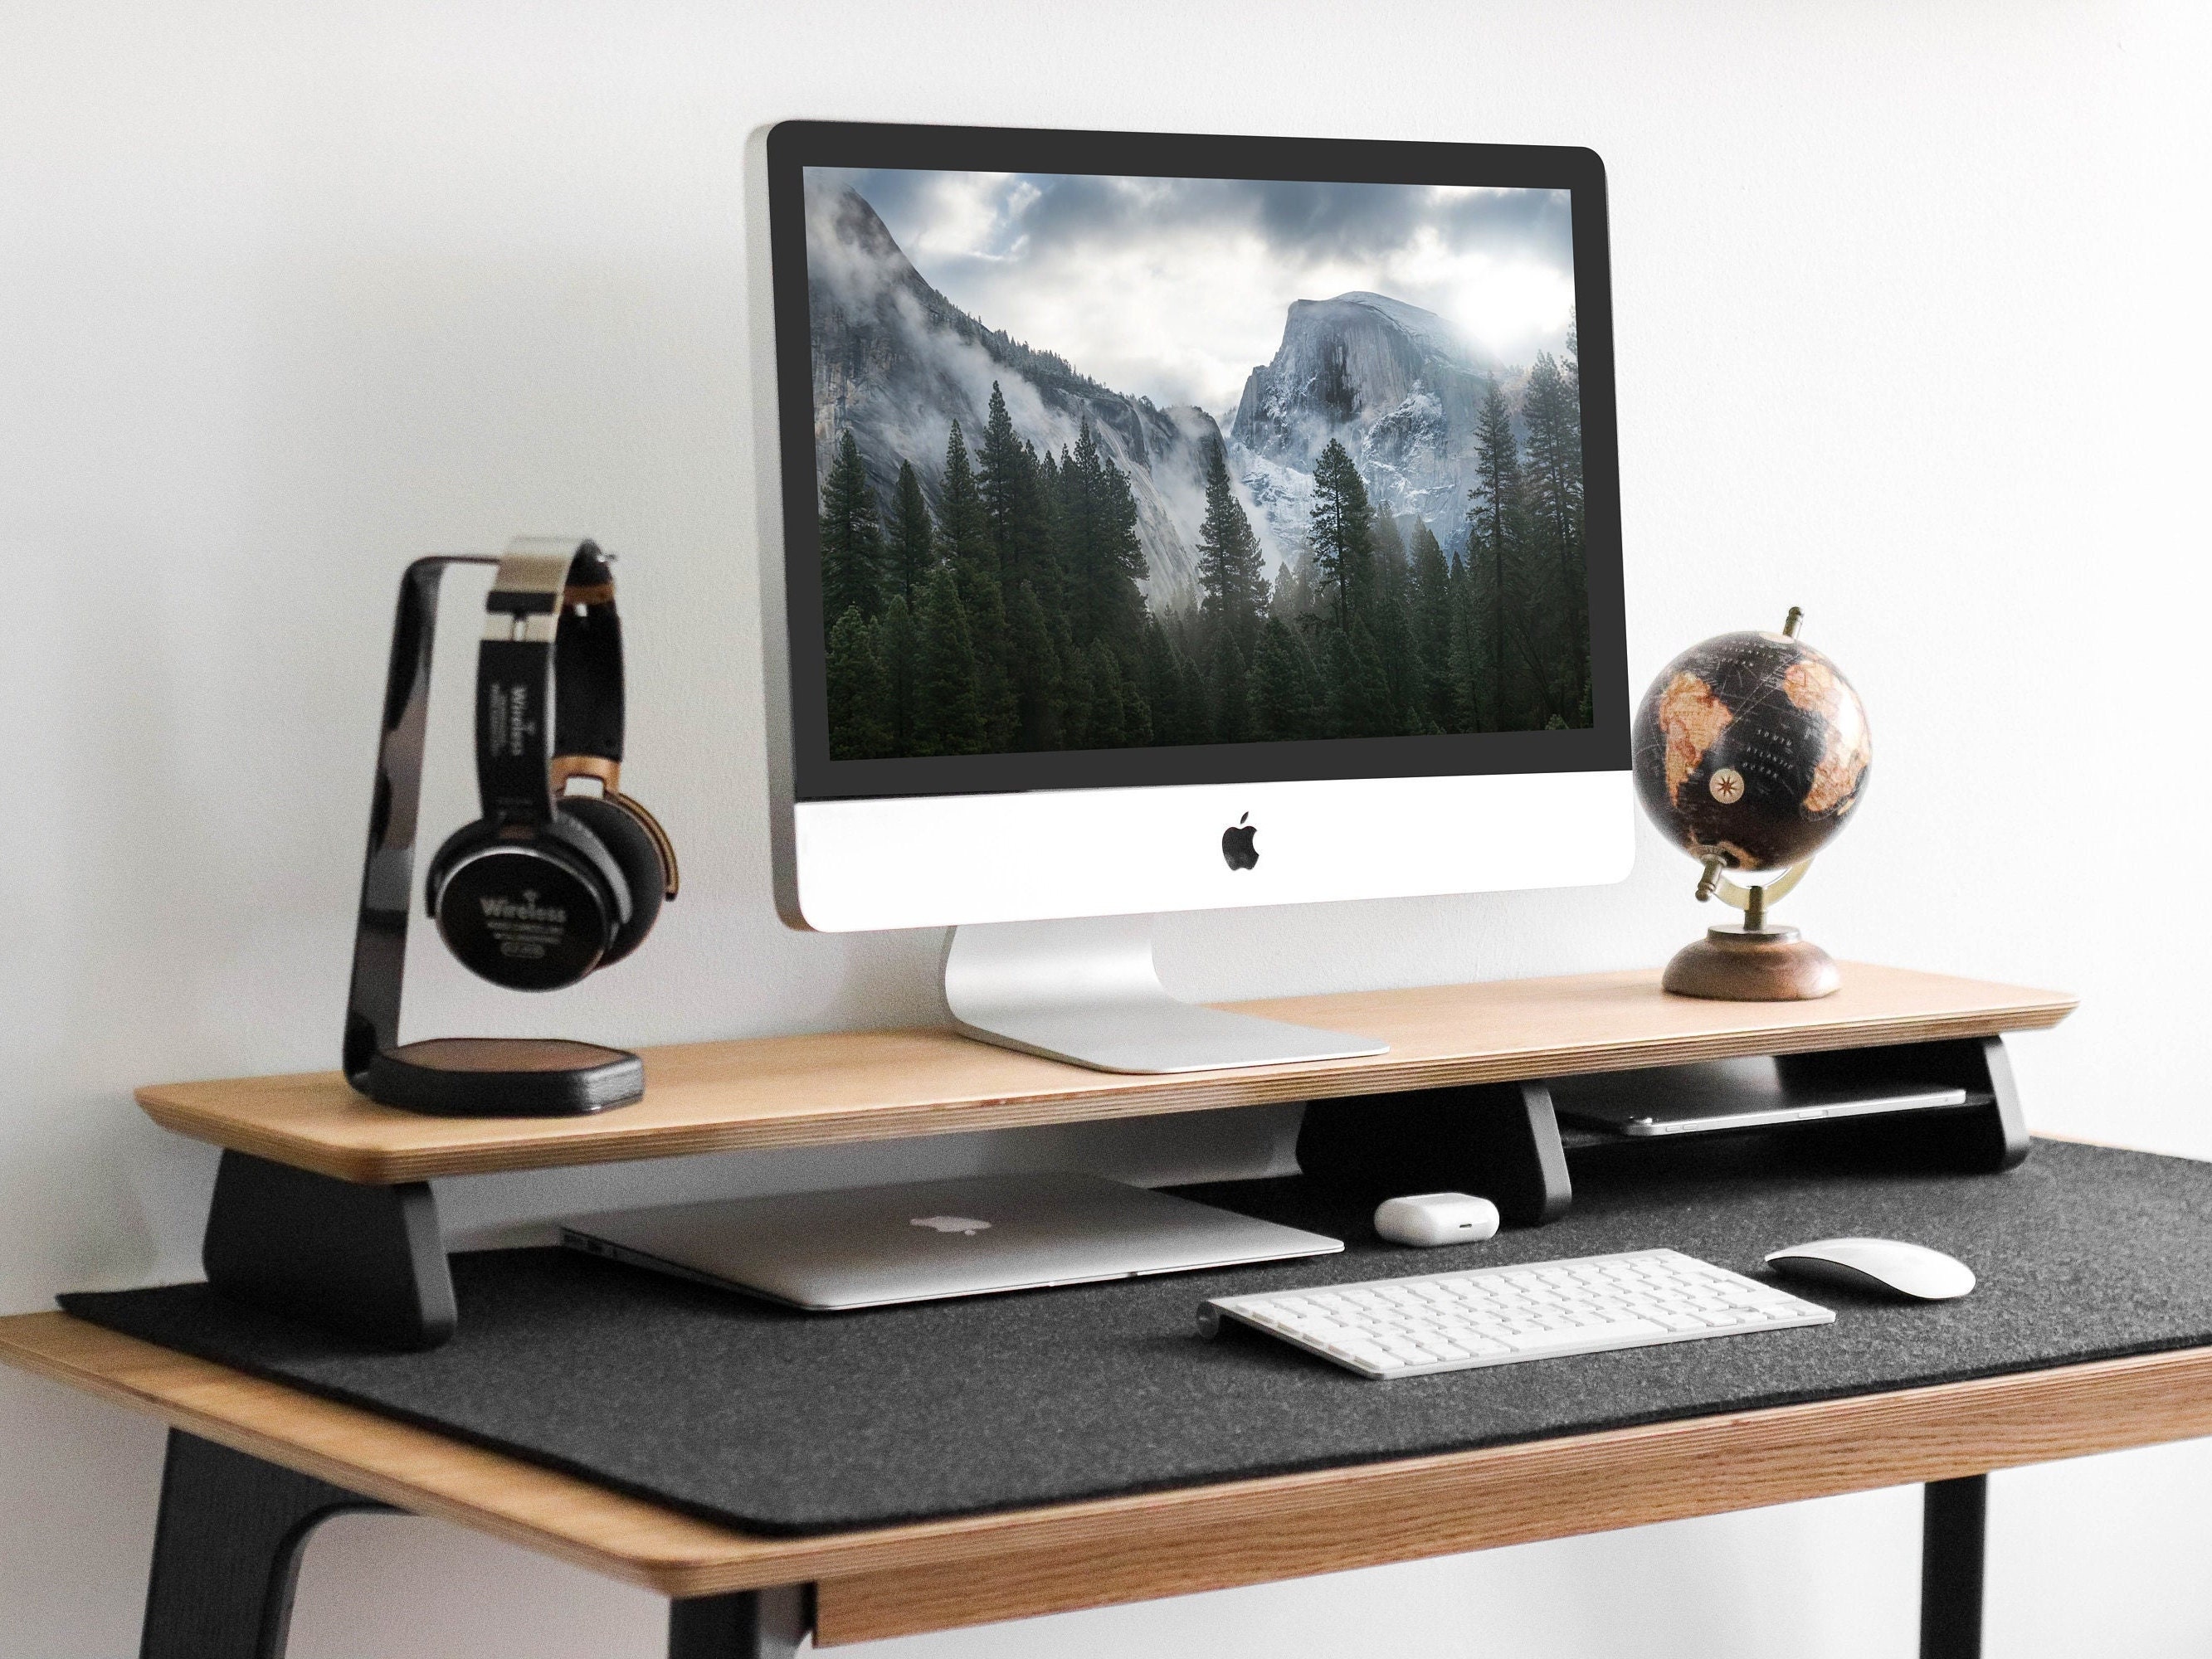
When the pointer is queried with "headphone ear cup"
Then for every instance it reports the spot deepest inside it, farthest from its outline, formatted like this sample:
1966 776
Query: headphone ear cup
635 855
456 847
531 909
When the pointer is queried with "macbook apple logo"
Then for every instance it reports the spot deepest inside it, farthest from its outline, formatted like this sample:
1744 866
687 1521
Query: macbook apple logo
966 1226
1237 849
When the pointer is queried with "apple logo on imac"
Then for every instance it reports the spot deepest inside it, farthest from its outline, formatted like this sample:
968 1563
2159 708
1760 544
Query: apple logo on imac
1237 849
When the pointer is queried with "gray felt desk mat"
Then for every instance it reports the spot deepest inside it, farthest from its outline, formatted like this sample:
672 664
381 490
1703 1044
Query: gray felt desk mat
781 1422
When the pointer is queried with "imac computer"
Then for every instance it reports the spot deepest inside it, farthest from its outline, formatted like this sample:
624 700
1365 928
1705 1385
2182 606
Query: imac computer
1178 523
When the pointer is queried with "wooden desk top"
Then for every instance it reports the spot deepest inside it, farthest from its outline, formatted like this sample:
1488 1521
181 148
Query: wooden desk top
872 1086
975 1570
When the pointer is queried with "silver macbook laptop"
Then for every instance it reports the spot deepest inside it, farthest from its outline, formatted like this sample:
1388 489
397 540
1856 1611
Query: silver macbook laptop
870 1246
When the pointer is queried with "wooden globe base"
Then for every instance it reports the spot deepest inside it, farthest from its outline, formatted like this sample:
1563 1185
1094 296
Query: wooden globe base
1747 964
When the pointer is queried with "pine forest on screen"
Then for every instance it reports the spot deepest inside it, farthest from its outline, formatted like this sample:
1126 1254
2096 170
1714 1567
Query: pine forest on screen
1416 566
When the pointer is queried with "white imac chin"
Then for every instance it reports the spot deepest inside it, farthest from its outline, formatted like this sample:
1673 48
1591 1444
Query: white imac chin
1044 855
1051 893
1080 618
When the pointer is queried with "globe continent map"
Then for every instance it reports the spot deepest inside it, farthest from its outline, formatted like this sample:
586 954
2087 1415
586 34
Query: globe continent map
1752 748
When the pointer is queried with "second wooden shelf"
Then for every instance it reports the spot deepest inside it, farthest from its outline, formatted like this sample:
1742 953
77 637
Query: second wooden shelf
873 1086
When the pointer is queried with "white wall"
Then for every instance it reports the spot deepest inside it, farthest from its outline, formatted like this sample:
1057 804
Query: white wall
1909 304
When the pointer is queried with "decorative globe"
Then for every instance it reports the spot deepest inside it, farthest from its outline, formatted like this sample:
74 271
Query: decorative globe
1752 749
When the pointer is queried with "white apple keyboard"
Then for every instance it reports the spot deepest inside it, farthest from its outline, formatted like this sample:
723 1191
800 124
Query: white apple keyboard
1501 1315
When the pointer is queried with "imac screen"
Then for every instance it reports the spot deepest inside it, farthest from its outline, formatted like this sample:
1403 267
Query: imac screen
1113 463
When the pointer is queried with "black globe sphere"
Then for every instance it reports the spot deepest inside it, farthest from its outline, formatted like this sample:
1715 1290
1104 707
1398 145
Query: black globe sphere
1751 748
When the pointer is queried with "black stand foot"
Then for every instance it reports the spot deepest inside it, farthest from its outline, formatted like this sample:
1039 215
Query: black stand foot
227 1551
1987 1135
367 1263
766 1624
1951 1556
1498 1140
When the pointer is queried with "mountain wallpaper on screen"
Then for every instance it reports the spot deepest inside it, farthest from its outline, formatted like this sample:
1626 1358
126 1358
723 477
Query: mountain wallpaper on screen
1384 538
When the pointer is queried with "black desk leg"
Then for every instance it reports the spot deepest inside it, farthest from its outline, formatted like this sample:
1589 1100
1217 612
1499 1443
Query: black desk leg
1951 1554
767 1623
227 1551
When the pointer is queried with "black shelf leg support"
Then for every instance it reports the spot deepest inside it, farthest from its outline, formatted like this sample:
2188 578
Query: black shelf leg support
1498 1140
367 1263
227 1551
765 1624
1954 1515
1987 1135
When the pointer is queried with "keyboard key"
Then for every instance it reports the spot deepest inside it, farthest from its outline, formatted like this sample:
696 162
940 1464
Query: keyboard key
1535 1341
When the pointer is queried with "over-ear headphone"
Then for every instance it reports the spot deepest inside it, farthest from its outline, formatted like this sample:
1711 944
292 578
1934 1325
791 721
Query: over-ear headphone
547 886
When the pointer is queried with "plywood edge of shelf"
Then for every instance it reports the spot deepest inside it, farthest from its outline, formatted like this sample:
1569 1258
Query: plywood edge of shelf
872 1086
976 1569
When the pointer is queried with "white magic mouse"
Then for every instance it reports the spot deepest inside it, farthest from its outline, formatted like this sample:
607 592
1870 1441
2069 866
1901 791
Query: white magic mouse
1879 1265
1430 1218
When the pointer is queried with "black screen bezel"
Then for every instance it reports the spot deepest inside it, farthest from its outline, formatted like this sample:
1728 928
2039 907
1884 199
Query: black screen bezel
795 146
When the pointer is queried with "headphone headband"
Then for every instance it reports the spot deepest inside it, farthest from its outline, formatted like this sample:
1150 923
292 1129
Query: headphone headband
552 639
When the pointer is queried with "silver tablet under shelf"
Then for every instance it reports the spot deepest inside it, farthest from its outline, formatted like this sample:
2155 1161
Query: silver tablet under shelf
1752 1093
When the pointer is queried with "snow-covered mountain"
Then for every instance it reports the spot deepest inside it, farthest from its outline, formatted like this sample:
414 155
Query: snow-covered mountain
895 362
1395 384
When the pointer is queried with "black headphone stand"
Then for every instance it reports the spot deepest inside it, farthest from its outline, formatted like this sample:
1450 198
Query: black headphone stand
447 1076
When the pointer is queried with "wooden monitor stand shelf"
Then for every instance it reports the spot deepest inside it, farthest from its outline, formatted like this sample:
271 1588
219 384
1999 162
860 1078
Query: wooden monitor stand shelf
323 1208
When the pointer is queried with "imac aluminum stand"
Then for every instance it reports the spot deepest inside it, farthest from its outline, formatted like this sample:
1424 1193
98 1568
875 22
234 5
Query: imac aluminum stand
1085 991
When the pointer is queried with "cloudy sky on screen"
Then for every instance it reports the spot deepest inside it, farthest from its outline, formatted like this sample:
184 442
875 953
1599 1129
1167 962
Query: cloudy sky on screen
1174 288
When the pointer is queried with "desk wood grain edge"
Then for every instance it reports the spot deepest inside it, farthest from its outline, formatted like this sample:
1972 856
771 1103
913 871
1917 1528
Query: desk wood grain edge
1182 1542
411 1469
981 1569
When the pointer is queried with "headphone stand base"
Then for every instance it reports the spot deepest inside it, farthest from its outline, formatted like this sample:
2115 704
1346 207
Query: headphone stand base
503 1077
